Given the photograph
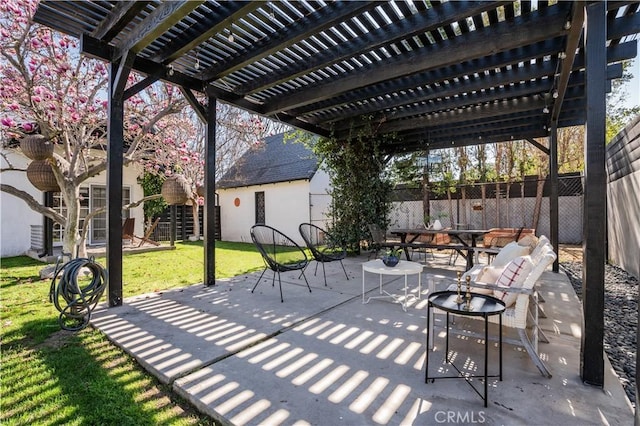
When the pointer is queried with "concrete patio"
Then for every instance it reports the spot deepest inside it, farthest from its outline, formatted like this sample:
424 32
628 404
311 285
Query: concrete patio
325 358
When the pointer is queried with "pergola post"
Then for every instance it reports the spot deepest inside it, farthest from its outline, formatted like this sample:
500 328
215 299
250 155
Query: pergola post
118 73
595 190
210 193
553 195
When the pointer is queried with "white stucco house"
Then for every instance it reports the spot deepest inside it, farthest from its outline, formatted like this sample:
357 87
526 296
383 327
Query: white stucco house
19 224
275 183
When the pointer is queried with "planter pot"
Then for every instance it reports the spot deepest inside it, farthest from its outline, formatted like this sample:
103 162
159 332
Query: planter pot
176 190
40 174
390 261
436 225
200 191
36 147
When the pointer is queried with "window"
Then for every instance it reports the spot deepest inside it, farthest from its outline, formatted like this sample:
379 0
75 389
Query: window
99 222
91 198
260 217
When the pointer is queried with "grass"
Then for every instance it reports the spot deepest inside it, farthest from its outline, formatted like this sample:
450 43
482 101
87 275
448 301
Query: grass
50 376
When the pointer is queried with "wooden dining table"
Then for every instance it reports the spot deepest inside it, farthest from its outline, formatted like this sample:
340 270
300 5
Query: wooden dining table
410 235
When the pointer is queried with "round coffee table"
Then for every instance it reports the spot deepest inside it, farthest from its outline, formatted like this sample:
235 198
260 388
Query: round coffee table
404 267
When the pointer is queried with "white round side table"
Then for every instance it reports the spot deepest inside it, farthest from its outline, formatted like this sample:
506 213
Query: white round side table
404 267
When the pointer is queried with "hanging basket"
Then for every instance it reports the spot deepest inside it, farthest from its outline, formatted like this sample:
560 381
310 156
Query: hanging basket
176 190
200 190
36 147
40 174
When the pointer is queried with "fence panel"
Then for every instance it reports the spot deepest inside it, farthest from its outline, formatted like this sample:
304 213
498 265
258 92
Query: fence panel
509 209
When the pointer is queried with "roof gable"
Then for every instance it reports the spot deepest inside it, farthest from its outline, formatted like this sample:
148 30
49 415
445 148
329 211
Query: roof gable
271 161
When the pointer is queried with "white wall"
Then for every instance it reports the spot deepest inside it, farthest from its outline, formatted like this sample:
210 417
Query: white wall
286 207
16 217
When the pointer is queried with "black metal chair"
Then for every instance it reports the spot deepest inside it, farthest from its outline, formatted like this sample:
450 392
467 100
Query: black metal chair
279 252
323 246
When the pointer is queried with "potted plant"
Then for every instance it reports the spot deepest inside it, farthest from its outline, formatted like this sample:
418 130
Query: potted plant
391 257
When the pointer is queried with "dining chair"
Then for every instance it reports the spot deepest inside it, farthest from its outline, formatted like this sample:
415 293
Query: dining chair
323 246
279 253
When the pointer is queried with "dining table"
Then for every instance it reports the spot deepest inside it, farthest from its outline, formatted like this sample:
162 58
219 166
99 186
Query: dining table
468 239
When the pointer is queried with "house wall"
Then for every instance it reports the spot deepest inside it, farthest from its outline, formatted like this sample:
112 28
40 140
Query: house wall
286 207
16 218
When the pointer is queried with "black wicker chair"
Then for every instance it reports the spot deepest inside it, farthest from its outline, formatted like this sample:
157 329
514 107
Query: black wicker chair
323 247
279 252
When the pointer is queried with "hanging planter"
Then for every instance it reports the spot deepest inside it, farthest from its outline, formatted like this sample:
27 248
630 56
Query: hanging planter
36 147
176 190
200 190
40 174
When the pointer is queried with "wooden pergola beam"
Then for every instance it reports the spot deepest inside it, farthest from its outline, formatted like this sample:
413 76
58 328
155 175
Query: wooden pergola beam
526 30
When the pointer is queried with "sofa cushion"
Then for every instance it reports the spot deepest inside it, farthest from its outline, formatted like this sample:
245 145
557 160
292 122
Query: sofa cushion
513 276
508 253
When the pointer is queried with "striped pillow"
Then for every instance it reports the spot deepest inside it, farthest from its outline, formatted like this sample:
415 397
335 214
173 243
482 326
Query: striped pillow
513 276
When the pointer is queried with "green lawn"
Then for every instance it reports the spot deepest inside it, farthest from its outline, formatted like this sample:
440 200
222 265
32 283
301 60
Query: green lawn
51 376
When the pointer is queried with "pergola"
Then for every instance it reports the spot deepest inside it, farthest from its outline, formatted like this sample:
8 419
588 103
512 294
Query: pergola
436 74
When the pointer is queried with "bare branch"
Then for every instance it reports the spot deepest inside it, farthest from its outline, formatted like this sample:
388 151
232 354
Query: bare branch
33 203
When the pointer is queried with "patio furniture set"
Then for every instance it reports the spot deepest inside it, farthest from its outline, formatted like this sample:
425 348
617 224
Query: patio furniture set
502 292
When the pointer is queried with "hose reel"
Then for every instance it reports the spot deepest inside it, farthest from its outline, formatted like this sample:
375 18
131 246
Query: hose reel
80 285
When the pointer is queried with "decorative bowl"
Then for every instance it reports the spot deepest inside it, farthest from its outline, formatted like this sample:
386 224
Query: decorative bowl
390 261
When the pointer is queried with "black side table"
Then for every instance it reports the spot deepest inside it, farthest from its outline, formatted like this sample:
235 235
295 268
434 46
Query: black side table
482 305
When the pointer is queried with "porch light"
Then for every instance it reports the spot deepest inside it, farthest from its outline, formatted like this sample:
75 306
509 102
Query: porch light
170 70
555 94
545 110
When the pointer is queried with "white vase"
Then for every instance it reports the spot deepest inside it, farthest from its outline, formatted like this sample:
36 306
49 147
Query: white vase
436 225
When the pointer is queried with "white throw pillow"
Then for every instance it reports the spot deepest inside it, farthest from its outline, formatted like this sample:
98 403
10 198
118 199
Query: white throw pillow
528 240
513 276
508 253
489 274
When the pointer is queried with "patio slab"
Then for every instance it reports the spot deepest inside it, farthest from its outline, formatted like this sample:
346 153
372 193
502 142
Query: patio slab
326 358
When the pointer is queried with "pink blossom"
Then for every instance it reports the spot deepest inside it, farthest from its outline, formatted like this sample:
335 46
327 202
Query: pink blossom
27 127
6 121
36 99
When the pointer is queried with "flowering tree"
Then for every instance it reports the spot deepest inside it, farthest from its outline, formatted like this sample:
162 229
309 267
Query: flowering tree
49 88
181 147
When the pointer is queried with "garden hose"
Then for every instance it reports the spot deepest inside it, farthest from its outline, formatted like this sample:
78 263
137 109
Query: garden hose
80 301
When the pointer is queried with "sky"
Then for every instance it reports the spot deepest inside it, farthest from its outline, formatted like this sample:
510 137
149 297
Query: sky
633 87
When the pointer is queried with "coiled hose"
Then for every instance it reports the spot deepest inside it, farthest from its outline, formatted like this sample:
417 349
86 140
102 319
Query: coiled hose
80 301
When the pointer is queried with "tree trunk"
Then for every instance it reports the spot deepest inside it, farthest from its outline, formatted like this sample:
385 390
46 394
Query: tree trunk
426 209
450 205
483 189
462 212
538 206
71 242
195 210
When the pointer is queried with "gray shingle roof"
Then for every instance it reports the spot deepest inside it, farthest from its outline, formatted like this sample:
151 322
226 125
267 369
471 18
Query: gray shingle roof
270 162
